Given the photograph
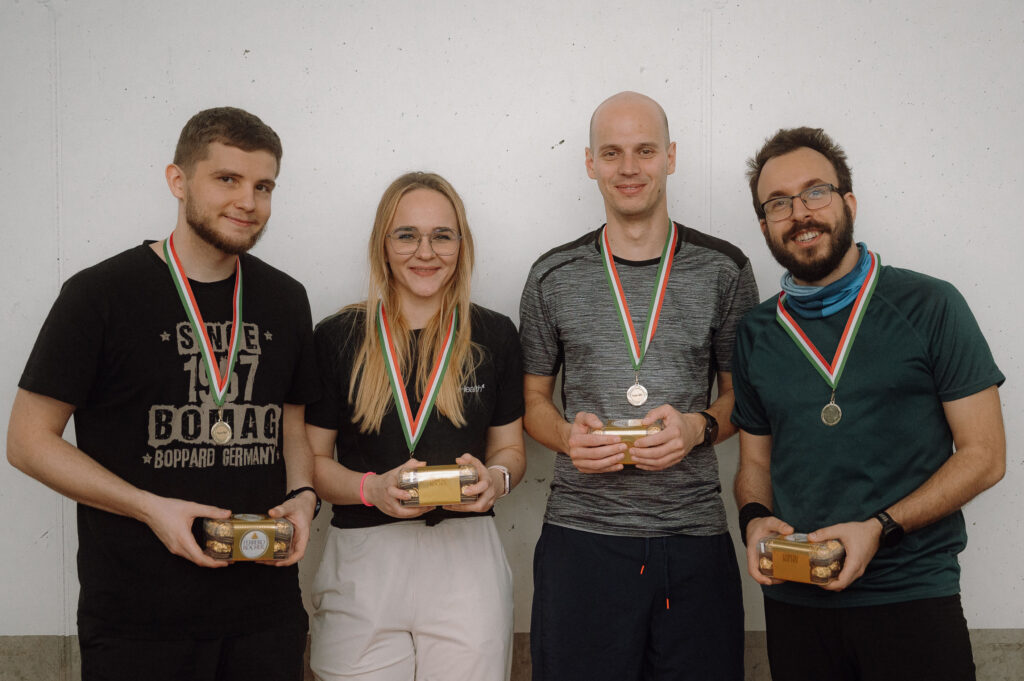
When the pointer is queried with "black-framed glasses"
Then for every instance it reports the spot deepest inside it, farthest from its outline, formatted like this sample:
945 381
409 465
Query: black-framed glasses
443 240
781 207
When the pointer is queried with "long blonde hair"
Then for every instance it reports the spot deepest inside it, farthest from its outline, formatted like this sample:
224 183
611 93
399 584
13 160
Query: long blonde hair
369 389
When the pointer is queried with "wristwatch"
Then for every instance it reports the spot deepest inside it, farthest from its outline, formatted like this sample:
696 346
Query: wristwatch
892 531
296 492
505 477
710 428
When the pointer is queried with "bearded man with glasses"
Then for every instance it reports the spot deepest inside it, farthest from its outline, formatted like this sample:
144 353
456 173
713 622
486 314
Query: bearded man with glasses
868 407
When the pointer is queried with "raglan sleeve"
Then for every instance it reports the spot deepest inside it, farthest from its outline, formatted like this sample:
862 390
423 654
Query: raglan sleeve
538 333
738 298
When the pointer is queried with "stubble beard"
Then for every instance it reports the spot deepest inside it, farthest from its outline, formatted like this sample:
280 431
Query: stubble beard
203 230
816 270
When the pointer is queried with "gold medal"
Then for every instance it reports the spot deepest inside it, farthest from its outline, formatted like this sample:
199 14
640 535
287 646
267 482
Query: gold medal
831 414
220 432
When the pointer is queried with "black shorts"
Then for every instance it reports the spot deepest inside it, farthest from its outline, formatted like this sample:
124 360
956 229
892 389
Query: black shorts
271 655
597 617
922 639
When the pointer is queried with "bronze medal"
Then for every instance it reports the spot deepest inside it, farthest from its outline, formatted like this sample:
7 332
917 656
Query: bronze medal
831 414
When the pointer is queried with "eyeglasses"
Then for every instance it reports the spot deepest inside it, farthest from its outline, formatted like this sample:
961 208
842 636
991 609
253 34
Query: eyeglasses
781 207
443 240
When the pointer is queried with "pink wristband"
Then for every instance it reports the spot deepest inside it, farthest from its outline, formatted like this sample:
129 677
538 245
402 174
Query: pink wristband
361 483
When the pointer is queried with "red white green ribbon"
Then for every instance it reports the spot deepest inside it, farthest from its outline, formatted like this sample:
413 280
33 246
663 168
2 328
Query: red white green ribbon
637 350
831 372
218 383
413 426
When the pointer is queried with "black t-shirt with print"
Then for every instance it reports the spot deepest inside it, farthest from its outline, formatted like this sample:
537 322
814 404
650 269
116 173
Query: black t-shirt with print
494 398
118 346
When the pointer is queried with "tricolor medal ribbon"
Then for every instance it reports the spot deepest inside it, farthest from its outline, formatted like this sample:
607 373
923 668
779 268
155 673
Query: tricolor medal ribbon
637 394
832 371
221 431
413 426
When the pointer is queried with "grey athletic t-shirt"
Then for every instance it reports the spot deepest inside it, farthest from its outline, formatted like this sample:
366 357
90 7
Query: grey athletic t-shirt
568 322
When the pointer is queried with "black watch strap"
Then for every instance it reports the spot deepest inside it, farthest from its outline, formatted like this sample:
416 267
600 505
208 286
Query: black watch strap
892 531
296 492
710 428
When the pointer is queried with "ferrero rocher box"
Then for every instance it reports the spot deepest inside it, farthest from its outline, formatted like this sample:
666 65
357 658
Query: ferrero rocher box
630 430
796 559
438 485
247 536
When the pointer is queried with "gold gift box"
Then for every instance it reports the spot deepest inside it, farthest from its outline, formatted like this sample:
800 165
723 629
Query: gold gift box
438 485
796 559
247 536
629 430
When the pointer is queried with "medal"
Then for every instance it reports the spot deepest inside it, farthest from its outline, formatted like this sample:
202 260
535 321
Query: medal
218 377
413 426
636 395
831 414
220 432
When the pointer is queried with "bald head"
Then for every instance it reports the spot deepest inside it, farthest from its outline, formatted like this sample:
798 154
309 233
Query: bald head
627 104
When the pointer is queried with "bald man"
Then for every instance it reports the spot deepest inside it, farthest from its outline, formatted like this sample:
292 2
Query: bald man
635 576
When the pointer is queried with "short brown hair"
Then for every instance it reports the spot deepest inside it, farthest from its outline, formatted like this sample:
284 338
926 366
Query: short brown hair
227 125
791 139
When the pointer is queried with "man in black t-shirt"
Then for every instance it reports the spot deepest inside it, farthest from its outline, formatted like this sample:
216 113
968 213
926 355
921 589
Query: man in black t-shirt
186 364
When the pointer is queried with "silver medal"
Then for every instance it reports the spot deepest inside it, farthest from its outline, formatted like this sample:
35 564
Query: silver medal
636 395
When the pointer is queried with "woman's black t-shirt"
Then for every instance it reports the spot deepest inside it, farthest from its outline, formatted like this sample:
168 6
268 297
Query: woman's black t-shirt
493 397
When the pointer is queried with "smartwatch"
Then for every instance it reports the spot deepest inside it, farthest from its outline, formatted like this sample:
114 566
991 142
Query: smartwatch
710 428
892 531
505 477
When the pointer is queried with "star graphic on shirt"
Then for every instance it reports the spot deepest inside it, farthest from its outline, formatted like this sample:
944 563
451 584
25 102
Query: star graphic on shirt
165 336
147 459
268 335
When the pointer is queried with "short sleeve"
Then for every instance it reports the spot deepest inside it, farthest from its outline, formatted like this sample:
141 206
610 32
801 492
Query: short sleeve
748 412
962 362
735 303
333 359
538 334
305 386
66 357
508 368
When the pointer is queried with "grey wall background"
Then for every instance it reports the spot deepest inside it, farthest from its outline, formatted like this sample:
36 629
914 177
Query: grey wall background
925 96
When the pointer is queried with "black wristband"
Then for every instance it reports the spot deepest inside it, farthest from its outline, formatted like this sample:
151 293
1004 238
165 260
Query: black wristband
748 513
296 492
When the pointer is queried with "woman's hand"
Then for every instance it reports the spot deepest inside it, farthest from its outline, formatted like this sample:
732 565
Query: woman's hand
383 492
485 487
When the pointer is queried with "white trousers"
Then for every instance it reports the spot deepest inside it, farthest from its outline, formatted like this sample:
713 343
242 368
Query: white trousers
407 602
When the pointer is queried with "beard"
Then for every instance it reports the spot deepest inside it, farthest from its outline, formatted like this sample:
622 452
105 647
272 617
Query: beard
819 268
200 226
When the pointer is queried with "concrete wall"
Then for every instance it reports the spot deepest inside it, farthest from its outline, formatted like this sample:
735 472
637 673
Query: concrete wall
496 96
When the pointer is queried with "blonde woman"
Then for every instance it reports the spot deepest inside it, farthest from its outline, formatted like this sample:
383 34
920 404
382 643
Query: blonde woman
406 593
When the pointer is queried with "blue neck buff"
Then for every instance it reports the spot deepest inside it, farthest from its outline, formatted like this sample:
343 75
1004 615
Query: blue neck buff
815 302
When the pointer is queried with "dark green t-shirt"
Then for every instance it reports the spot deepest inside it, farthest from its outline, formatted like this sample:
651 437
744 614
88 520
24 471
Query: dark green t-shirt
918 347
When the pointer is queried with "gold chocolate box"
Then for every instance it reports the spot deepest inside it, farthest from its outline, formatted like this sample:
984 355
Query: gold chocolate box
795 559
629 430
247 536
438 485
